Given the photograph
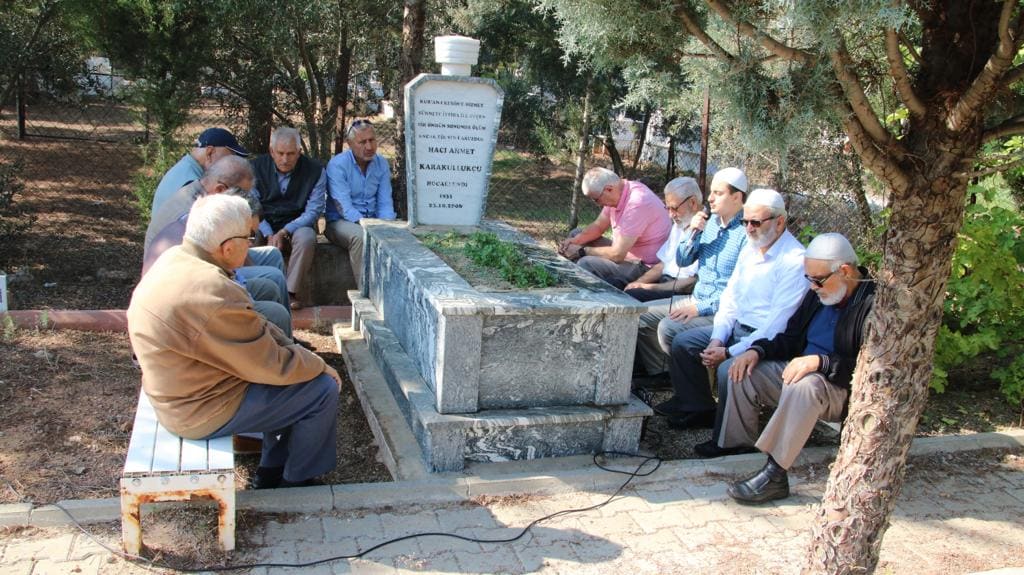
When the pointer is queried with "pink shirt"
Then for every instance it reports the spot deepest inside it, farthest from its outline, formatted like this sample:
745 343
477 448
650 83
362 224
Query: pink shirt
641 215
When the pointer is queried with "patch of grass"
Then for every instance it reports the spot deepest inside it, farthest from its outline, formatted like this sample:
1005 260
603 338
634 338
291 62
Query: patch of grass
487 251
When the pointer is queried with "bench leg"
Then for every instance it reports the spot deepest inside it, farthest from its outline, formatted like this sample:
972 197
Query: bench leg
226 516
131 524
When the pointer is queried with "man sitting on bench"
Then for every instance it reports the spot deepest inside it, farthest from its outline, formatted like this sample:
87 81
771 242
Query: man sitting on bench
805 370
213 367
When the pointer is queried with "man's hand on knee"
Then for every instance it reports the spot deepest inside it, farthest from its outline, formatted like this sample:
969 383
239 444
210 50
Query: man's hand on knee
800 367
743 365
333 373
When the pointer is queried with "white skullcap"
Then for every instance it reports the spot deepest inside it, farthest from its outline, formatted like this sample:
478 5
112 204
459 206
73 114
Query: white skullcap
831 247
732 176
766 197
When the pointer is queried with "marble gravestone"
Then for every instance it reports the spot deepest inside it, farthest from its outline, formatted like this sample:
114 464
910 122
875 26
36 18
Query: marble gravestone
485 375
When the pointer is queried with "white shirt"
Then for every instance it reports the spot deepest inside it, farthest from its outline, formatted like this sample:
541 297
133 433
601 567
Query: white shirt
667 253
763 292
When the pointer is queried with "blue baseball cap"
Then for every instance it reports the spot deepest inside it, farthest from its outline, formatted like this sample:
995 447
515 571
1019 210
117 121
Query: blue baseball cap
221 138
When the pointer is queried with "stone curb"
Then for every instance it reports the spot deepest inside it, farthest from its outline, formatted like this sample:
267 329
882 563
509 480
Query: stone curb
114 319
535 477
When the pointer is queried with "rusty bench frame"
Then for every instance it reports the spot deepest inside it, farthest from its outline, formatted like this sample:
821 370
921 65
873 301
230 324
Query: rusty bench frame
161 466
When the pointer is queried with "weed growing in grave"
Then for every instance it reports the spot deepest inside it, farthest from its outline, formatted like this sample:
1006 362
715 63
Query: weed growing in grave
488 251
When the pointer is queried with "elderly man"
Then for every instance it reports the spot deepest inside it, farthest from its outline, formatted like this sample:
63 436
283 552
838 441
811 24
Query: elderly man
766 286
263 272
639 227
211 145
212 366
666 278
805 370
715 252
291 187
359 185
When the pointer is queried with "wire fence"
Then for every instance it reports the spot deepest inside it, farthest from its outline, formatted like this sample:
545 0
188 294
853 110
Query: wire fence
101 139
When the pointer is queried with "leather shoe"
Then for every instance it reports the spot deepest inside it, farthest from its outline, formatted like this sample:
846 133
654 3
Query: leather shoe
653 382
692 420
710 448
769 484
268 477
669 407
304 483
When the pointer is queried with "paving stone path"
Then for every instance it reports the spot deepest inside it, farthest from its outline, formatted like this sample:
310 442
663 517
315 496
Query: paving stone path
959 512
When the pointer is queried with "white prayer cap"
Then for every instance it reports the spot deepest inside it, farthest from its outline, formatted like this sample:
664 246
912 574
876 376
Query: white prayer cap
732 176
831 247
766 197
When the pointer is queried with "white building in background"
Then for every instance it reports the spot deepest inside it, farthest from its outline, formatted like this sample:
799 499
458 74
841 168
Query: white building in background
625 133
100 79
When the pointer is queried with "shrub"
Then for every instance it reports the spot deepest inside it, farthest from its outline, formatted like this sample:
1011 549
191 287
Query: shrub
156 160
984 308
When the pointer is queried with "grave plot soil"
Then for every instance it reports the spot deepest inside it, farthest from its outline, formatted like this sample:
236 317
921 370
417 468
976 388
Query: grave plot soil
69 402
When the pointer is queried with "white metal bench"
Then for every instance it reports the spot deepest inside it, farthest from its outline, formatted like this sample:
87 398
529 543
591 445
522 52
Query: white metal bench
164 467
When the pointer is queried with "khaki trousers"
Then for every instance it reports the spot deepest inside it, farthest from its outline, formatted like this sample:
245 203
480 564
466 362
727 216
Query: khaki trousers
349 235
800 405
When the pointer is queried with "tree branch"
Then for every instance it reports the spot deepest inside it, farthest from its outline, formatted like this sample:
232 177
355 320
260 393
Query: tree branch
842 64
875 158
1013 75
1018 159
767 42
695 29
988 80
900 76
1009 127
910 47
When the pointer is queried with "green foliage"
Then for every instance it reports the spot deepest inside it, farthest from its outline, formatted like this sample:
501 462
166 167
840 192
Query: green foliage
156 160
13 221
984 308
487 250
41 45
10 329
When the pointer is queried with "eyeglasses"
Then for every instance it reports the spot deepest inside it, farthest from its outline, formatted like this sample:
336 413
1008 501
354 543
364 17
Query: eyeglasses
672 208
754 223
356 125
251 238
819 282
597 199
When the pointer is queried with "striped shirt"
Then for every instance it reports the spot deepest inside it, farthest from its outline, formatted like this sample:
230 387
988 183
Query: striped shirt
716 254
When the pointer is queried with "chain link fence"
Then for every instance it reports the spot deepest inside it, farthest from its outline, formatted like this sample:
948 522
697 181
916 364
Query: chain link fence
101 140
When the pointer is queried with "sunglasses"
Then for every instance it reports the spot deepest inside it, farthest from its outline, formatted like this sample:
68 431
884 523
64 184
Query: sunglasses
356 125
755 223
819 282
250 237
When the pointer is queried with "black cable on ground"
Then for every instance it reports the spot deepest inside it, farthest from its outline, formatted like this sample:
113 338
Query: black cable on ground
637 472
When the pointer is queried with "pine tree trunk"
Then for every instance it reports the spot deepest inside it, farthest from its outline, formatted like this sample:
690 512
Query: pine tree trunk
613 151
642 138
894 368
581 159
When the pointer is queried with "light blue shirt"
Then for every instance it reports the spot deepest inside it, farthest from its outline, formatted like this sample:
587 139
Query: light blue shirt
186 170
355 195
314 205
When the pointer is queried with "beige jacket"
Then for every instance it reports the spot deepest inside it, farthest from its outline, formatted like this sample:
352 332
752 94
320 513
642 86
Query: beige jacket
199 343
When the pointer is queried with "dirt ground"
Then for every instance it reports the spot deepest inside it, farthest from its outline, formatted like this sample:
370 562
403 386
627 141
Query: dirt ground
69 402
68 397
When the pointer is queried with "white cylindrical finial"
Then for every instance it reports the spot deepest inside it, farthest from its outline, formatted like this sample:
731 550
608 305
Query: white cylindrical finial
456 54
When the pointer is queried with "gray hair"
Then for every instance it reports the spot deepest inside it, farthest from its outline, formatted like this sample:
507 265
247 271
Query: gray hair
683 188
216 218
596 179
357 126
230 171
285 132
251 197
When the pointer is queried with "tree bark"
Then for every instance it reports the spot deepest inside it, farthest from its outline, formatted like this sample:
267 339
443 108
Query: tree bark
613 151
409 67
582 153
894 367
642 138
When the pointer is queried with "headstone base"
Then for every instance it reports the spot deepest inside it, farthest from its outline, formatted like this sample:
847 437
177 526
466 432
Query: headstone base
448 441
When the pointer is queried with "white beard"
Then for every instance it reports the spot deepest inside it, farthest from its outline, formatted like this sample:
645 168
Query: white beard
835 297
